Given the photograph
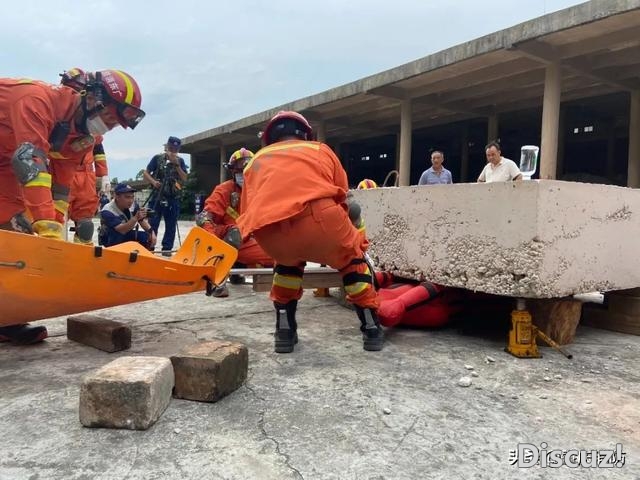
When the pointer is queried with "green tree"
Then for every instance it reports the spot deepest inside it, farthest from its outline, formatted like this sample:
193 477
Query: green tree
188 197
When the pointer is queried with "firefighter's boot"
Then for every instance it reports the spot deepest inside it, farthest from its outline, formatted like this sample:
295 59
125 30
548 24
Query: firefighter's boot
286 326
23 334
372 334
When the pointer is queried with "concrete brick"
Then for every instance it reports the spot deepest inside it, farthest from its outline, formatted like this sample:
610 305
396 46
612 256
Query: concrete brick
101 333
130 392
532 239
208 371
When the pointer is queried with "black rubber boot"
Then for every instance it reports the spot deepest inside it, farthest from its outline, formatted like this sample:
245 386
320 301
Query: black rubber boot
236 279
23 334
286 326
372 334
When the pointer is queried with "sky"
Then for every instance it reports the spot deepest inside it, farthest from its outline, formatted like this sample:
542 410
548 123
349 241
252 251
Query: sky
201 64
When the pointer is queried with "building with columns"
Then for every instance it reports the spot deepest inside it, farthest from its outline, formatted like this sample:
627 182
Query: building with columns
568 81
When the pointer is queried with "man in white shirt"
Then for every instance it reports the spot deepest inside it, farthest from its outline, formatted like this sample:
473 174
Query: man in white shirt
498 168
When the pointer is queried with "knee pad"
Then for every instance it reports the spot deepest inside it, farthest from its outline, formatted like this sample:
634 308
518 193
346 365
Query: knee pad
27 162
84 230
18 223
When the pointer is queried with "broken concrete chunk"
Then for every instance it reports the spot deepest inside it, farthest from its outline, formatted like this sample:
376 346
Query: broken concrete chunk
130 392
464 382
98 332
208 371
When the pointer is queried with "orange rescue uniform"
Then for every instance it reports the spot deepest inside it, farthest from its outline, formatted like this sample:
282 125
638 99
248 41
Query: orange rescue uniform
295 205
29 111
223 216
83 196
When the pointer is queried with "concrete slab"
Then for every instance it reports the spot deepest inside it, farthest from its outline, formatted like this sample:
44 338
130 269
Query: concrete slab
328 411
533 239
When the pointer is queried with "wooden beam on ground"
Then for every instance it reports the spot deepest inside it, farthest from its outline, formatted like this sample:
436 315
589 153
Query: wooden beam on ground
314 277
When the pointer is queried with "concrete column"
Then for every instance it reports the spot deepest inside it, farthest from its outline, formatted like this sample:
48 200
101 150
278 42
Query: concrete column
561 141
223 160
633 171
321 132
397 167
492 128
550 121
611 150
405 142
464 155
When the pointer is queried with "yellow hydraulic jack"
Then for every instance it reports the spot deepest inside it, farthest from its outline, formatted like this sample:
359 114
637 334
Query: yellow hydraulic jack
523 334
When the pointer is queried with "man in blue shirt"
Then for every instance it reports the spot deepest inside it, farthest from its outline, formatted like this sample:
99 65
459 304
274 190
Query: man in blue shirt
122 220
437 174
166 173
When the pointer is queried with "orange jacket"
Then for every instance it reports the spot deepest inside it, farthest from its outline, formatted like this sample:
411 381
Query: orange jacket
218 204
29 111
282 178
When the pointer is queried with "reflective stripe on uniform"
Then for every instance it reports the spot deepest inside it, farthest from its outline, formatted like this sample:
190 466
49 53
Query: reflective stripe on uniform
279 147
61 206
287 281
356 288
42 180
232 212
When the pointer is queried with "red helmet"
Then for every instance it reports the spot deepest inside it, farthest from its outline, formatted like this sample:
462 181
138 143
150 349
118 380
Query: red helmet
120 89
75 78
286 123
239 159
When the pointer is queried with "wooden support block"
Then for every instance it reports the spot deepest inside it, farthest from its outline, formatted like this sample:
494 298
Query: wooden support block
98 332
625 304
262 283
632 292
599 316
558 318
130 392
208 371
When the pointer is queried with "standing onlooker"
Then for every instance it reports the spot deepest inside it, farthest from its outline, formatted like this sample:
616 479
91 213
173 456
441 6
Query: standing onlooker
165 173
436 174
498 168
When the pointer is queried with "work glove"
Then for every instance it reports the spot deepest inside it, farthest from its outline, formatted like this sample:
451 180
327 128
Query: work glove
203 218
355 211
105 185
233 237
48 229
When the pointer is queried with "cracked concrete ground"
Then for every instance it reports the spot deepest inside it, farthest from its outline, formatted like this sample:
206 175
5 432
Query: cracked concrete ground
330 409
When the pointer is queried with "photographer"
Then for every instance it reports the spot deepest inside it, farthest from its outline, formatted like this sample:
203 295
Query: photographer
165 173
122 218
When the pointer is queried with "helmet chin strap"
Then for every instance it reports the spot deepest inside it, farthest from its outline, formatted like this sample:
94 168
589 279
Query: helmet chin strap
87 113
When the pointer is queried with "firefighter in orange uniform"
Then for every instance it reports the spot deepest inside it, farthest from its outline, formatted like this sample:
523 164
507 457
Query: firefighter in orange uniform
75 167
222 208
36 119
294 200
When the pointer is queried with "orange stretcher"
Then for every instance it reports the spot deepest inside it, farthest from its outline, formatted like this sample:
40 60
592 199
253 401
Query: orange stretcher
43 278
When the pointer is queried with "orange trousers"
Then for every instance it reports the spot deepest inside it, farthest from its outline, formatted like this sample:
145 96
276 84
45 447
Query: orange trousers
321 233
251 254
11 199
83 198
